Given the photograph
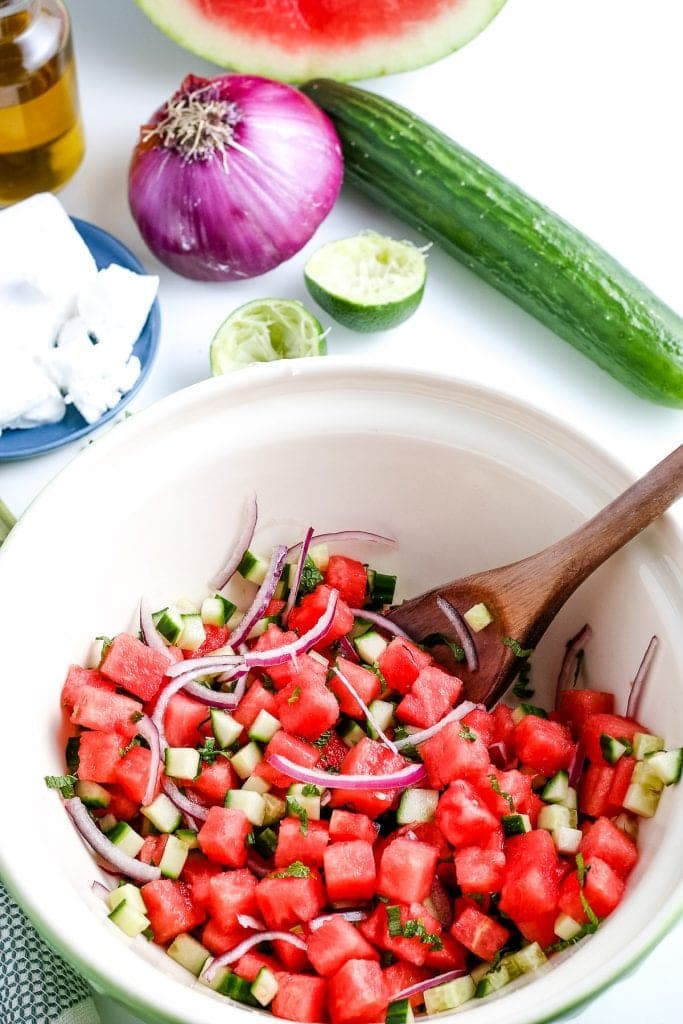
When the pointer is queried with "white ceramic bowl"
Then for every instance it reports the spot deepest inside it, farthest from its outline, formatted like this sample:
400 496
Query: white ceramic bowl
463 477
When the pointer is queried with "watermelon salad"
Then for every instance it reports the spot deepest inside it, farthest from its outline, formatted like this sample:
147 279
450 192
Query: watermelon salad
297 804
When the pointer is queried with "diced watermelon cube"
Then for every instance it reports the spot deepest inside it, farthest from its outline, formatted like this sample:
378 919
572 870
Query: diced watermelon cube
298 842
183 719
357 993
427 832
482 724
273 638
307 709
77 678
406 871
621 780
134 666
100 709
218 939
332 753
595 790
223 836
308 613
300 997
603 890
451 957
463 817
540 929
335 942
478 870
401 975
616 726
256 698
365 683
249 965
170 909
530 886
98 755
285 902
197 873
349 578
132 772
450 755
215 637
479 933
607 842
350 871
575 706
213 782
120 805
401 663
544 745
346 825
152 850
504 724
368 758
288 746
413 949
432 695
231 893
291 957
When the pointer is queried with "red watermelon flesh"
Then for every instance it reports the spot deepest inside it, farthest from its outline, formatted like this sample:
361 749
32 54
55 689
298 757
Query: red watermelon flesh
343 39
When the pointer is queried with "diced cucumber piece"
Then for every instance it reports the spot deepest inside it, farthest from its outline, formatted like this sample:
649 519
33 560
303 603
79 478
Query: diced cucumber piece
449 996
239 989
644 743
169 623
217 610
627 823
128 919
529 958
493 980
320 556
186 607
381 587
612 749
266 842
275 809
107 822
251 804
131 894
225 728
173 858
382 712
522 710
126 838
369 646
666 764
571 800
264 726
478 617
556 789
71 753
163 813
246 759
567 839
516 824
253 567
566 927
645 775
189 837
299 789
255 784
553 816
351 733
641 800
400 1012
480 970
193 633
265 987
417 806
181 762
218 980
189 953
309 804
92 794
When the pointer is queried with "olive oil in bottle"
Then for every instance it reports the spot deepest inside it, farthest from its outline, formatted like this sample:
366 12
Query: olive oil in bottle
41 141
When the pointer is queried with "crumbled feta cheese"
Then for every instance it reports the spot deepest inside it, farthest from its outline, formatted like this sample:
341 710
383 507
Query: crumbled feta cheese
66 330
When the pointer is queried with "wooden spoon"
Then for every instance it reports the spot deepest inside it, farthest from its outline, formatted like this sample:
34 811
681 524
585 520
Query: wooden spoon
525 596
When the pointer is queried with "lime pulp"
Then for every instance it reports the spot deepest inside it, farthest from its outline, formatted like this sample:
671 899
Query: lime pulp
265 330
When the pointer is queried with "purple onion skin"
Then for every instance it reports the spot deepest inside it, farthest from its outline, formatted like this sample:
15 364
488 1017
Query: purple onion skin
212 225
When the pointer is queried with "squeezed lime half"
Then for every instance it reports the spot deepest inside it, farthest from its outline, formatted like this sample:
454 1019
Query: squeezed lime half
264 330
368 282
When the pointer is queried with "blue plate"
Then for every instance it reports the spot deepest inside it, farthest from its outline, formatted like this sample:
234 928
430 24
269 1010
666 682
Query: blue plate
23 444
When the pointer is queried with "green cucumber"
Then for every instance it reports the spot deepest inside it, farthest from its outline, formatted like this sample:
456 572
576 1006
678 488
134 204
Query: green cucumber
509 239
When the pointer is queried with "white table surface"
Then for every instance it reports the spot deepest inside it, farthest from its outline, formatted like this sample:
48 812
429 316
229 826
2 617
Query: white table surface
579 102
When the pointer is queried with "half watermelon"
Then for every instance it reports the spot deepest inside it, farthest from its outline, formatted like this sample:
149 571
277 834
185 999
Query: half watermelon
294 40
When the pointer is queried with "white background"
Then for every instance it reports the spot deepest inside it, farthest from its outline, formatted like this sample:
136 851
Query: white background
579 102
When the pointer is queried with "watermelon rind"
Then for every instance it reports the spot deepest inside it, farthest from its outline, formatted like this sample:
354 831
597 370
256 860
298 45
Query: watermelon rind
420 44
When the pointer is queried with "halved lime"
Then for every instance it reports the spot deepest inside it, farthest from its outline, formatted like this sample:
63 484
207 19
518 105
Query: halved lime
367 282
264 330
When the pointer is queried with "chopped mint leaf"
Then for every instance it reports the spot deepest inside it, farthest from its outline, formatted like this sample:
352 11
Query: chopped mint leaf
296 693
581 869
394 915
323 739
311 577
495 786
516 647
209 752
135 742
310 790
467 734
295 870
383 685
413 928
64 783
435 639
295 808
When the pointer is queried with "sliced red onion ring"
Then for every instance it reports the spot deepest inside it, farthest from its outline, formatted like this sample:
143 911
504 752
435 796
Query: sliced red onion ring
576 644
150 633
379 620
638 684
453 716
576 766
182 802
148 730
347 650
98 841
210 664
216 698
294 584
209 973
240 544
462 631
247 921
366 711
263 596
100 890
348 915
288 652
342 535
400 779
422 986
